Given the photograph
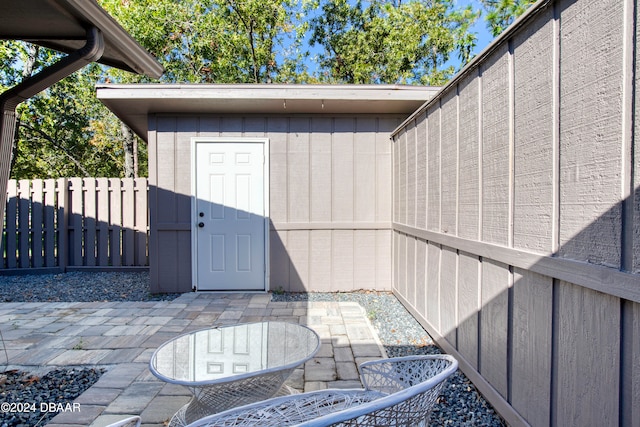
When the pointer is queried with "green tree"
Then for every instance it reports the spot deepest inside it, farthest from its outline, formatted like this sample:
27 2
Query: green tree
213 41
54 136
66 131
501 13
407 42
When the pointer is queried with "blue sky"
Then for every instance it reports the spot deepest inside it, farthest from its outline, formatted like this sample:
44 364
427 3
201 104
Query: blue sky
484 36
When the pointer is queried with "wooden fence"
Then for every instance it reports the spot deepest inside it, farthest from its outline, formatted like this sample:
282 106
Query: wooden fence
517 217
75 223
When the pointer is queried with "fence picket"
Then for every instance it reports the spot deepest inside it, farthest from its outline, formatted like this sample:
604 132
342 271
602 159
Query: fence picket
142 221
37 232
24 195
62 221
76 222
49 204
103 221
11 229
115 234
128 222
90 216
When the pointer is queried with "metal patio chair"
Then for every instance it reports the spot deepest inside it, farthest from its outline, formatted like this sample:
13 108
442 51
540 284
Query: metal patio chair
399 391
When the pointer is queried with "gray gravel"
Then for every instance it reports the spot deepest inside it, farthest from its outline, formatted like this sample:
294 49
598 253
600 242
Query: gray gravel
460 404
79 287
42 394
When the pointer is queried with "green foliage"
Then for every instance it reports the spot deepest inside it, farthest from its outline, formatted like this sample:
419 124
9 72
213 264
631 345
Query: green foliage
57 133
501 13
387 42
213 41
66 131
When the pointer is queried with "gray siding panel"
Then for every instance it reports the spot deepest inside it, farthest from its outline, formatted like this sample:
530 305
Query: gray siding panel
590 125
411 270
320 171
449 163
448 293
421 171
411 175
494 320
171 247
469 161
433 285
495 153
532 346
433 169
384 166
343 260
320 278
402 171
548 243
254 127
279 263
534 145
298 170
278 129
364 160
421 277
588 358
384 257
364 277
342 170
402 263
468 307
298 252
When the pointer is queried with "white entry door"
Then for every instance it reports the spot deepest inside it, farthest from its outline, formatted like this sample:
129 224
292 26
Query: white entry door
230 241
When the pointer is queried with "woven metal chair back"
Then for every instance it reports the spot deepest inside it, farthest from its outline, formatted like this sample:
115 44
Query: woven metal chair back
399 392
411 384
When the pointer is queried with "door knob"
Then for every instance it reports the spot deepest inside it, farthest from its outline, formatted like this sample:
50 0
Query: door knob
201 224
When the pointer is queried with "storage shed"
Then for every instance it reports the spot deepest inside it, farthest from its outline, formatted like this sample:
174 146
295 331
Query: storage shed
268 187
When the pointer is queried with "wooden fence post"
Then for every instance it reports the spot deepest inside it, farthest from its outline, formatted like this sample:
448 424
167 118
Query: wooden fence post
10 227
63 223
49 225
142 221
24 249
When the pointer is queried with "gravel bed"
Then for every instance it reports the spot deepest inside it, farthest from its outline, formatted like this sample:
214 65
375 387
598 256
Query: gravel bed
60 386
32 400
460 404
79 287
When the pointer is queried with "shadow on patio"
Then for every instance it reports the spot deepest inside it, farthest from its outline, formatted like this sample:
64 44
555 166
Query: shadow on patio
121 336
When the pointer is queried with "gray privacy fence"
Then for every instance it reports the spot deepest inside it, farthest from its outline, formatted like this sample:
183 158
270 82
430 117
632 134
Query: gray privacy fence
75 223
517 217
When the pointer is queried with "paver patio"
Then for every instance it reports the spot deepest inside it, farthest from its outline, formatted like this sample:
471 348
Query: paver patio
121 336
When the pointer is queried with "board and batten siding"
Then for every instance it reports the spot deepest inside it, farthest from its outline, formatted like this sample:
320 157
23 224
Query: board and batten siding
516 217
330 198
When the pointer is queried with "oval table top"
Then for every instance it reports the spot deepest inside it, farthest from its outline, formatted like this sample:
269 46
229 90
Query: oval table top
229 353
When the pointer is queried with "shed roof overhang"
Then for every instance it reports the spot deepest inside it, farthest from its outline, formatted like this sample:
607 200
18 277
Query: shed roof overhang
63 24
134 103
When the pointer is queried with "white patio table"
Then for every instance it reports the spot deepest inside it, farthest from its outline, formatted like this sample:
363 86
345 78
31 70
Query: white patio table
230 366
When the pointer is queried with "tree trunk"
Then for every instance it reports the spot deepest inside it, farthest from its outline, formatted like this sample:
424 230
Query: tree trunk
128 144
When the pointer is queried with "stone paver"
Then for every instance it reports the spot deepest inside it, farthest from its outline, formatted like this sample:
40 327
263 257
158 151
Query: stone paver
121 337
